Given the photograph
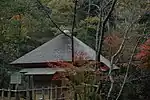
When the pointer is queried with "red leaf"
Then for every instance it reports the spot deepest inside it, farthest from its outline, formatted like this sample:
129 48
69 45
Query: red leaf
144 53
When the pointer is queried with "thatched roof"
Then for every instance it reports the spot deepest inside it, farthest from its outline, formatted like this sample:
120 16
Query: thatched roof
59 48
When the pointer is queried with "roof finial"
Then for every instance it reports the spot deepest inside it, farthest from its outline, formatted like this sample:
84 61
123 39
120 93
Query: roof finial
67 32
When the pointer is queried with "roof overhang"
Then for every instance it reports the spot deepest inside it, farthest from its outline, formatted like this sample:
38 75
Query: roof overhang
41 71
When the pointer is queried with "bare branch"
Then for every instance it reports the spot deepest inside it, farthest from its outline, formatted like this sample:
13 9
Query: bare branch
113 57
120 48
102 29
138 78
111 86
126 75
97 35
99 8
72 31
47 13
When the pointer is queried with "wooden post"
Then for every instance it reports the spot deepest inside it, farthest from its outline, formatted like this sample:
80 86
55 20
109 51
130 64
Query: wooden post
27 90
17 95
61 92
9 94
42 93
56 92
2 94
33 89
34 94
49 97
27 94
30 86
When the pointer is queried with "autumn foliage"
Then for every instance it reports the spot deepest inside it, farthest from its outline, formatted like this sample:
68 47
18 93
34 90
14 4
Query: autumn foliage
81 64
113 40
144 53
17 17
61 64
80 60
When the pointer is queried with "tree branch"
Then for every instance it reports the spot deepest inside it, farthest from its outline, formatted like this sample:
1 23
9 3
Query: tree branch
47 13
120 48
111 86
72 31
126 75
102 30
138 78
115 55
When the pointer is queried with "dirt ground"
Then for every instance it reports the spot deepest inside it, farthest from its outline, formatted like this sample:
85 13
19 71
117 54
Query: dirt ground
11 98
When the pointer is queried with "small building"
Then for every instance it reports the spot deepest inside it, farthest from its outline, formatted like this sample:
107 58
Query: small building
35 63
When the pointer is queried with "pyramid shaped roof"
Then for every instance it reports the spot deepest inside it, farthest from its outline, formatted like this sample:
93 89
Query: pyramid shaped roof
59 48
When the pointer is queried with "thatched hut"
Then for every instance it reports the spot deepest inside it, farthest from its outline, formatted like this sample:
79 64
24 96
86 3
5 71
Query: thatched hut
35 63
